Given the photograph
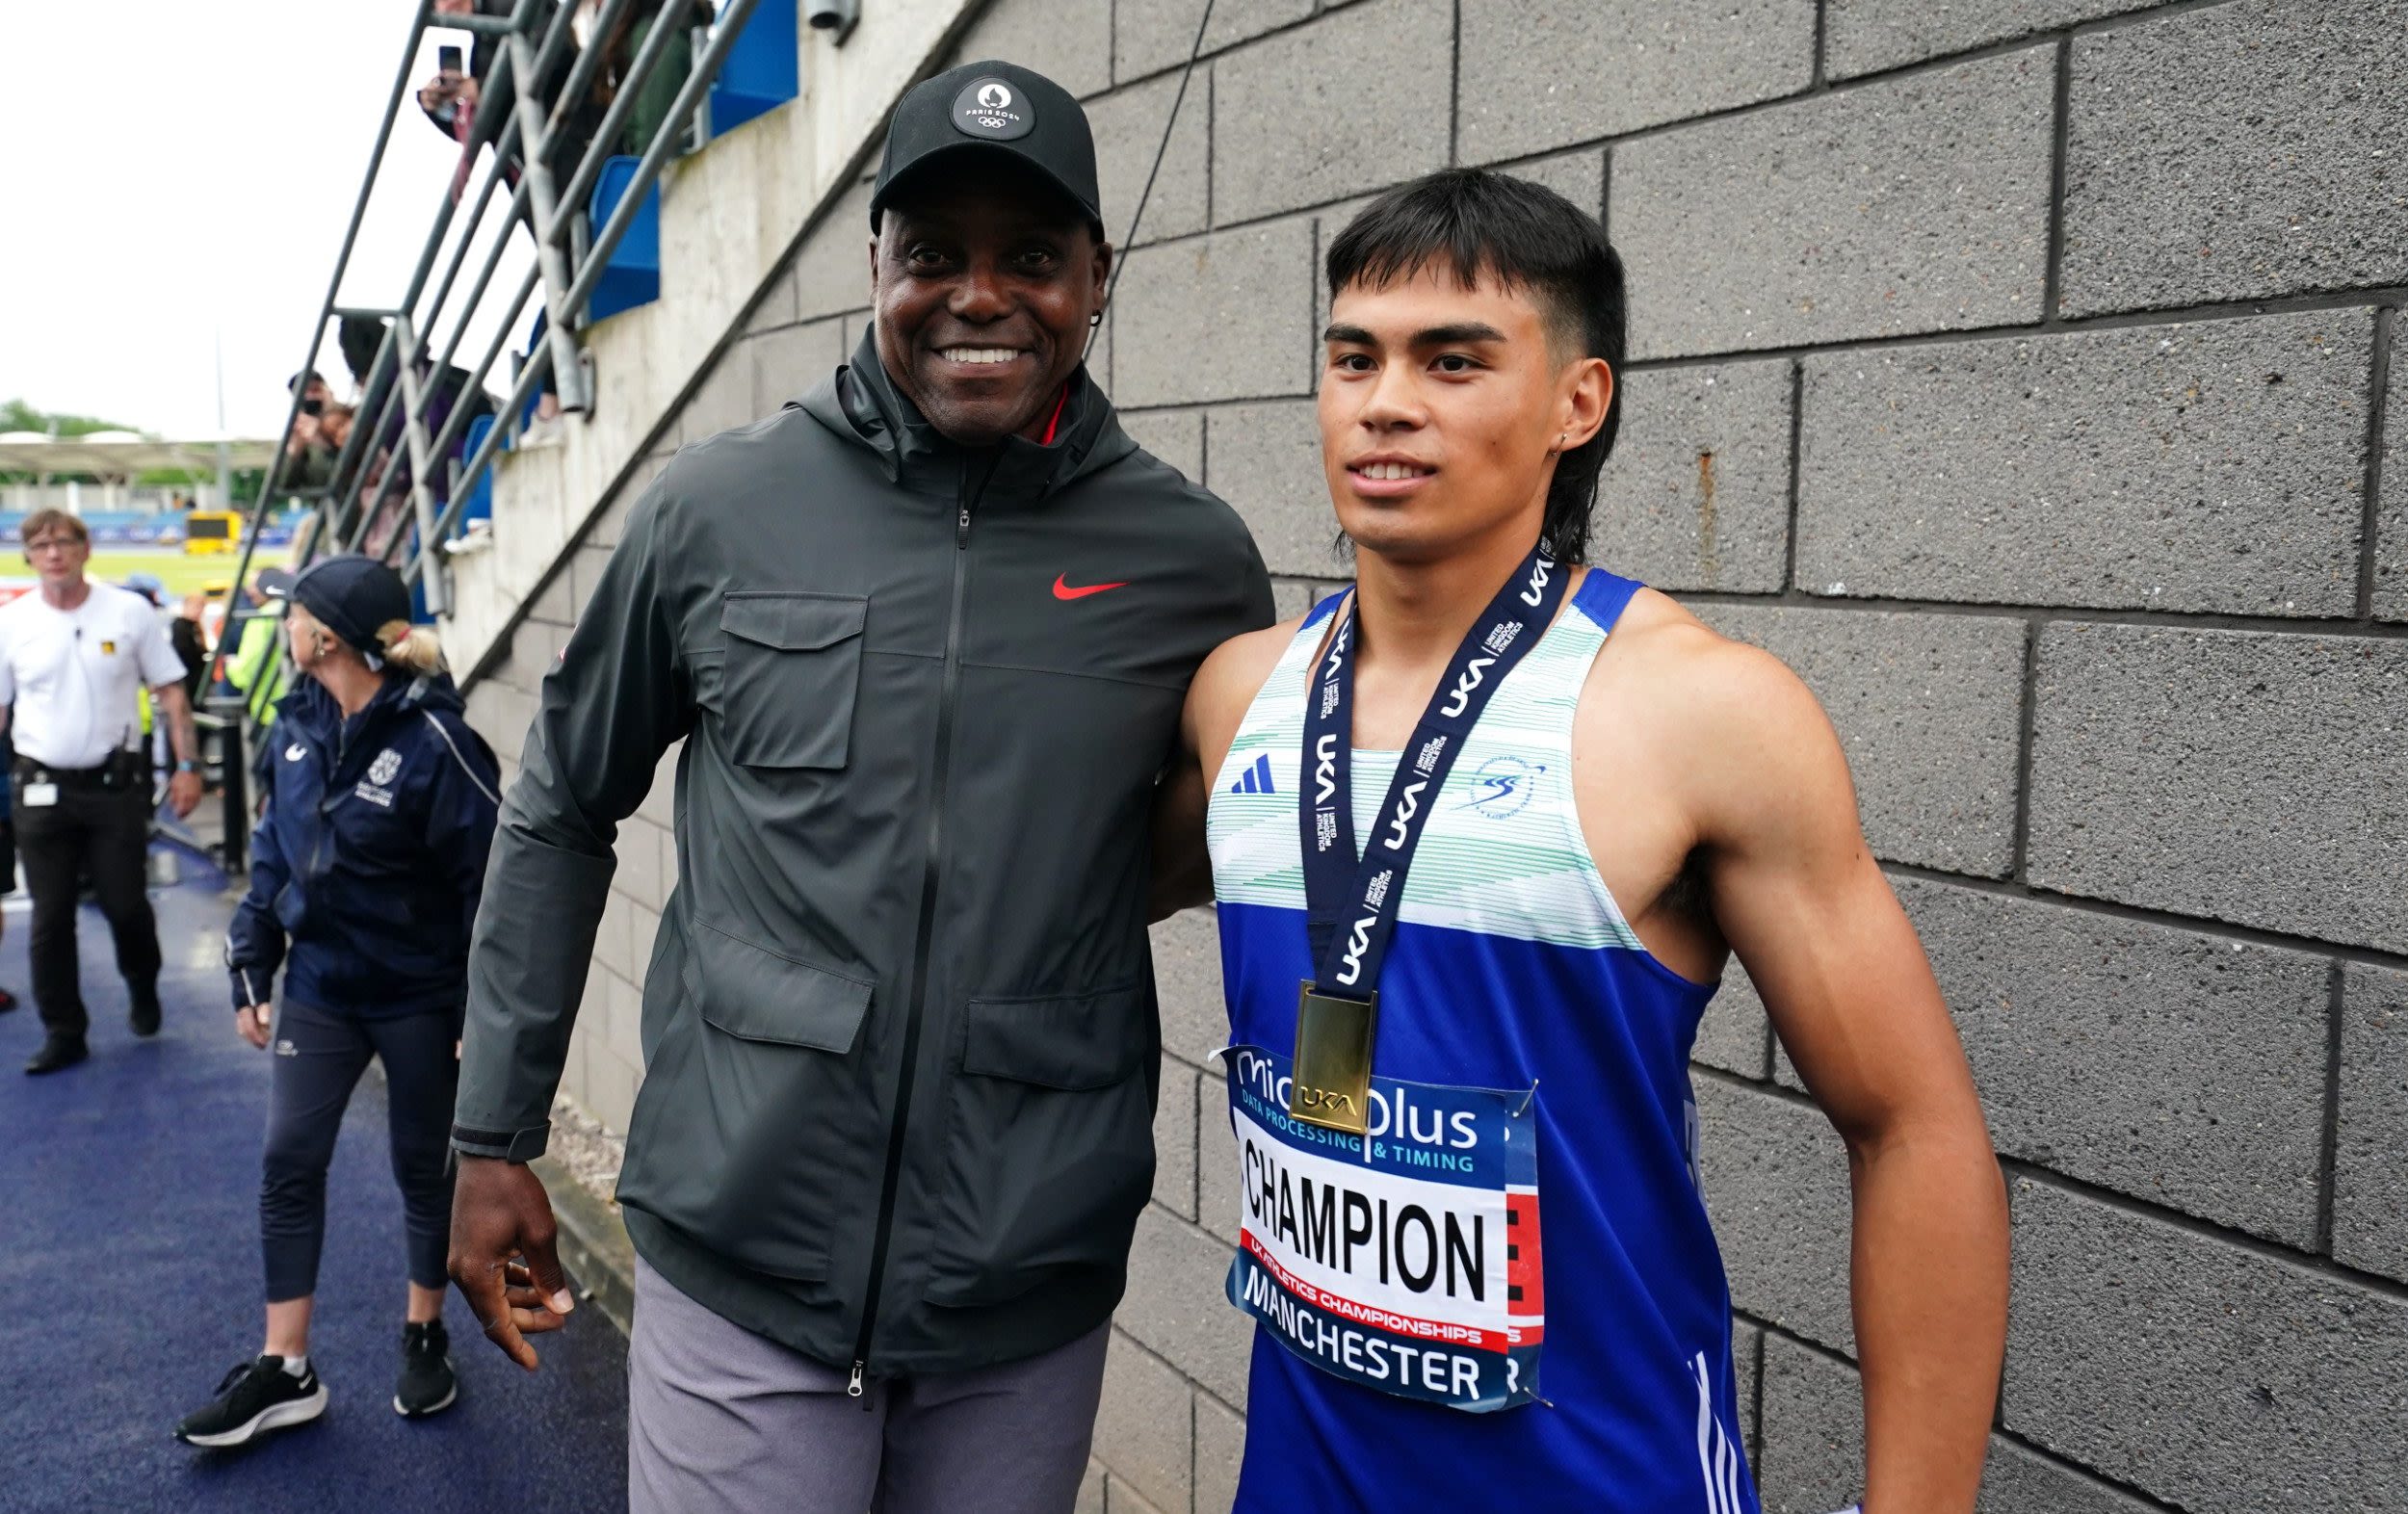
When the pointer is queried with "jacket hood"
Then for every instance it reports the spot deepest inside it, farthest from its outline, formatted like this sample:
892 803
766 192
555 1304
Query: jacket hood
313 710
860 404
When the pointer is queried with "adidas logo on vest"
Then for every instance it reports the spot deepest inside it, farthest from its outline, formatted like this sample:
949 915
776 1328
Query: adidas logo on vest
1256 779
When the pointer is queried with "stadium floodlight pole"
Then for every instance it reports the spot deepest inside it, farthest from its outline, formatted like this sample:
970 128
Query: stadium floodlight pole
421 456
663 144
665 28
334 282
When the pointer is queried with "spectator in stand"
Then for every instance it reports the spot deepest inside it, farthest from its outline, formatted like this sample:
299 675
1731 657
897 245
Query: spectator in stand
387 472
334 427
368 861
659 90
310 461
454 99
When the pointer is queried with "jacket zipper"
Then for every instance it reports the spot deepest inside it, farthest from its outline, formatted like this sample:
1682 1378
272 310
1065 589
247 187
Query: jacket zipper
965 497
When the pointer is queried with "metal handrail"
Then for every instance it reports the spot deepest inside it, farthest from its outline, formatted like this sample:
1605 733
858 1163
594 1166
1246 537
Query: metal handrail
547 197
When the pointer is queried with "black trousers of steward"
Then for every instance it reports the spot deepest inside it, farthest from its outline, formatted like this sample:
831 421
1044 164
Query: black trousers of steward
97 831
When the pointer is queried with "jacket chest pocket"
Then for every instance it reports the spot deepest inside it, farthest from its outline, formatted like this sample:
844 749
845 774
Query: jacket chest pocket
793 670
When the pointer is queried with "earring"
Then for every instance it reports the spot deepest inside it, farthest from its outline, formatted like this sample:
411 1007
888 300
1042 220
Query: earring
1097 319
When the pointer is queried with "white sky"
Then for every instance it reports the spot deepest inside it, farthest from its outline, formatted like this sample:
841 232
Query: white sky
175 171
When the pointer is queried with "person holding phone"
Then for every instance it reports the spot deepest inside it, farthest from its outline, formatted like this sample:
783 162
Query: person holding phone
366 871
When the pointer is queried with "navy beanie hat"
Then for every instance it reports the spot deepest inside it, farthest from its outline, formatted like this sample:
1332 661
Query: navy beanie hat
354 597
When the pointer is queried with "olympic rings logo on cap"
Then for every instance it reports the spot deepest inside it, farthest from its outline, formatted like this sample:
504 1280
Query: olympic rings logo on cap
988 109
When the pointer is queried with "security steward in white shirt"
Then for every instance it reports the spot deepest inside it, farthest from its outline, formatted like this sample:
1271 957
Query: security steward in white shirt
71 659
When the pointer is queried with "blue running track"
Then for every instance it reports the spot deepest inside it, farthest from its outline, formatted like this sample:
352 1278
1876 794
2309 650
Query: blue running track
129 1283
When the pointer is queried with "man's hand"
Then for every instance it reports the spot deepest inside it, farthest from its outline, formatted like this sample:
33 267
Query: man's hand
251 1021
501 1256
184 793
303 433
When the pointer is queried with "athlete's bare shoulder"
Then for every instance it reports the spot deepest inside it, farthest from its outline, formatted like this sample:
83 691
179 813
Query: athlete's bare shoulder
1727 725
1226 684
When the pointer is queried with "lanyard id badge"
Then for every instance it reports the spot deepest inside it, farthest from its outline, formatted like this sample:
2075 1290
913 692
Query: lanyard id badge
1353 897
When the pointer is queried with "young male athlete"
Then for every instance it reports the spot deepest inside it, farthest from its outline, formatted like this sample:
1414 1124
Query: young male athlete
1473 1235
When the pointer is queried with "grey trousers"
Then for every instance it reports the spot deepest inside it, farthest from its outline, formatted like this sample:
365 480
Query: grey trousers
721 1419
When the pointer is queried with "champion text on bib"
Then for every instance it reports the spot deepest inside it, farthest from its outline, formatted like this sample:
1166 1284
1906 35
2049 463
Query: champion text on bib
1405 1260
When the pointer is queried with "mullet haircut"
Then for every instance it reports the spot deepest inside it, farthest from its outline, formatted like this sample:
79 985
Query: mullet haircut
1529 238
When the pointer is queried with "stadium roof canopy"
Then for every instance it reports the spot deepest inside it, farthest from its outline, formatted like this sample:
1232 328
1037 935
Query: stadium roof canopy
114 455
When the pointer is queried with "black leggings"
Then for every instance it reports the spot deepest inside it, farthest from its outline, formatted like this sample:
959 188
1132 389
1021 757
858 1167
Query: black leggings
319 1056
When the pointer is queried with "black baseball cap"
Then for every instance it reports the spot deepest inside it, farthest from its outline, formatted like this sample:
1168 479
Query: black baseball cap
992 107
354 597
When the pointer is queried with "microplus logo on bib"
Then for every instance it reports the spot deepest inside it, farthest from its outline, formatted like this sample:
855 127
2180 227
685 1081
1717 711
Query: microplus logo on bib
990 109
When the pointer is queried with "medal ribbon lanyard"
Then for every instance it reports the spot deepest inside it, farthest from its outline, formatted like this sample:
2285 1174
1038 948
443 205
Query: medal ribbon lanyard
1352 901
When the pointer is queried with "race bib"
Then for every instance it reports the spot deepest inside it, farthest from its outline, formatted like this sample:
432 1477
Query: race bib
1405 1260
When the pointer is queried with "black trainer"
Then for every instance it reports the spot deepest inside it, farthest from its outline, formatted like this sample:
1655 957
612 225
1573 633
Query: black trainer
143 1017
427 1384
255 1399
57 1052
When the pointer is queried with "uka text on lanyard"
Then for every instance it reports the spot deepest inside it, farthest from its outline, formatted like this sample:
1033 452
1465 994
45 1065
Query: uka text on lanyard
1352 902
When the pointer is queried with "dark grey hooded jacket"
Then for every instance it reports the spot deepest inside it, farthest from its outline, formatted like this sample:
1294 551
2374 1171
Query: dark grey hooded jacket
898 1026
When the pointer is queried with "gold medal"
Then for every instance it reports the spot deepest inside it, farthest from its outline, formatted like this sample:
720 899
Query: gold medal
1333 1076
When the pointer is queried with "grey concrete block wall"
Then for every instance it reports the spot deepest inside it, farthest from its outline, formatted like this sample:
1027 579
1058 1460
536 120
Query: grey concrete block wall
2388 578
1910 204
1926 705
2086 584
2057 1006
1293 126
1536 76
2370 1171
2242 775
2207 1373
1698 493
1866 36
2167 203
2213 465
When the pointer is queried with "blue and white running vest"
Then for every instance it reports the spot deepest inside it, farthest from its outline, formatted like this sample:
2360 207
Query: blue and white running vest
1511 968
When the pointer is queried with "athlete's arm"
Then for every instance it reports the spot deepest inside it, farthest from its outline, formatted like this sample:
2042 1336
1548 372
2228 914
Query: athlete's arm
1797 893
1216 703
1183 874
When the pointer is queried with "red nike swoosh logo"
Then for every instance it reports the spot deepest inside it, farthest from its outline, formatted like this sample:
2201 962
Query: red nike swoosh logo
1062 590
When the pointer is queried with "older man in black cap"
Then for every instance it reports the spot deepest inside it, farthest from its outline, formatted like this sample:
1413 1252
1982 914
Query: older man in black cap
926 634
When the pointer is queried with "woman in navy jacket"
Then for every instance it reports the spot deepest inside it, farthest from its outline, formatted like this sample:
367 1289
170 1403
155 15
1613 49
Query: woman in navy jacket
365 872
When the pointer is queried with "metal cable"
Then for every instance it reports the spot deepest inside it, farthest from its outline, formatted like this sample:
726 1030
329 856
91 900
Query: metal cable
1168 126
